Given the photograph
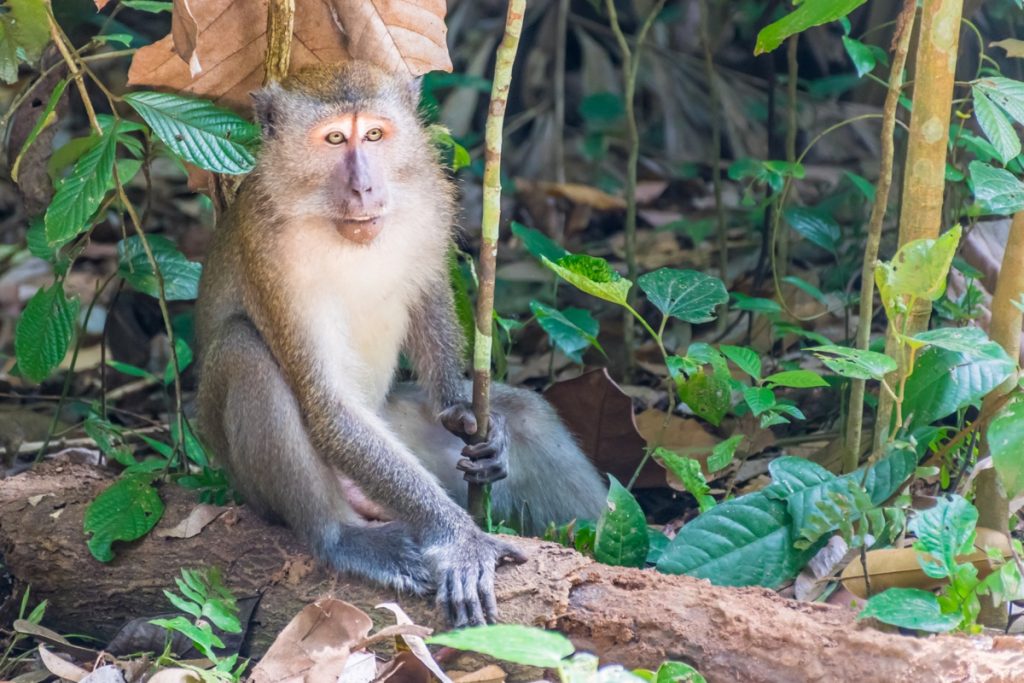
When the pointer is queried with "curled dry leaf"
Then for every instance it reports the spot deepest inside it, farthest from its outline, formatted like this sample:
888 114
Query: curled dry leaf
315 645
60 667
417 647
200 516
216 47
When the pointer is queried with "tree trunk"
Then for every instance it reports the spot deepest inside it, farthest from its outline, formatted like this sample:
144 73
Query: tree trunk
627 616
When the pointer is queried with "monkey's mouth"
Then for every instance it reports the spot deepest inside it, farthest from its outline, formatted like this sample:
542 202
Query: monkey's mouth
360 229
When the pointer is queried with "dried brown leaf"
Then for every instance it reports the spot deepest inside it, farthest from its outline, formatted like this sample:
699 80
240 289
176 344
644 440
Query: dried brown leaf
60 667
195 522
216 47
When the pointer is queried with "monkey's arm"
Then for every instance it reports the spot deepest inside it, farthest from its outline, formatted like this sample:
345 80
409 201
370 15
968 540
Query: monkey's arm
435 345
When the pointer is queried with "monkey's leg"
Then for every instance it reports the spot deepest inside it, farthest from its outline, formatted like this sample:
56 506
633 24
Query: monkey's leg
549 477
249 417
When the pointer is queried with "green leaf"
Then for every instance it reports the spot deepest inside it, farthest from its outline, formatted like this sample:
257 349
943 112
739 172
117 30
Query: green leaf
861 183
572 330
124 511
223 615
746 359
200 634
511 643
44 332
996 126
677 672
918 271
602 110
814 227
152 6
1005 92
796 379
198 131
591 275
684 294
742 542
81 193
944 531
967 340
742 302
622 529
186 606
109 439
538 244
184 354
709 396
996 190
723 453
862 55
946 381
854 363
1005 436
181 276
910 608
687 471
26 30
759 399
809 13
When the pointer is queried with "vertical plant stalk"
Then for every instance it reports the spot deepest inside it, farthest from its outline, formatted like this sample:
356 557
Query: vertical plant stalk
901 46
630 69
924 175
280 26
561 31
1005 329
489 225
781 237
714 107
73 67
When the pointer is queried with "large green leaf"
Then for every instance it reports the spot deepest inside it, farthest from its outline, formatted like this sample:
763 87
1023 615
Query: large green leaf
944 531
946 381
996 190
684 294
918 271
707 395
82 192
854 363
910 608
746 541
968 340
572 330
198 131
815 227
511 643
125 511
1005 436
24 32
1005 92
181 276
996 126
592 275
809 13
44 332
622 538
745 358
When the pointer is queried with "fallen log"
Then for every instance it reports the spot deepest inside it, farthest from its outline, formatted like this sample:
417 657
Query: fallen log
627 616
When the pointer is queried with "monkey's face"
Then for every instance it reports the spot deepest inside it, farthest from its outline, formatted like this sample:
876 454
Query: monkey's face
346 141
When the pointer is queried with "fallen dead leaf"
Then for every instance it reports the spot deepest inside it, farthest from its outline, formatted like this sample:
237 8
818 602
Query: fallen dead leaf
216 47
35 500
681 435
60 667
576 193
195 522
417 647
314 646
491 673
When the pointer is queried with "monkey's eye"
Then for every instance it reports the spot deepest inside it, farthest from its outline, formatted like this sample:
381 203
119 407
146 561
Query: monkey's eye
374 134
335 137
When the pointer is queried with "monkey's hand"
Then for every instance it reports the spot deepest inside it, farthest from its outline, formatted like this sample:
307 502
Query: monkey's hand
484 462
465 575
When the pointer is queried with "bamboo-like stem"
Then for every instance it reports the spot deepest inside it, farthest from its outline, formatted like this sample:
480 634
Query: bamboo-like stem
924 176
630 69
280 26
714 107
1005 329
781 263
489 230
855 409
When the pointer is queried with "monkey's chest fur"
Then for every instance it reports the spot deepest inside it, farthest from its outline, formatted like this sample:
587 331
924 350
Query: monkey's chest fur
359 301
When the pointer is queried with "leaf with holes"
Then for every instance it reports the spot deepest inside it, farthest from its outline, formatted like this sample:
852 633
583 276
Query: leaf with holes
685 294
708 395
181 276
622 539
198 131
996 126
124 511
591 275
917 271
44 332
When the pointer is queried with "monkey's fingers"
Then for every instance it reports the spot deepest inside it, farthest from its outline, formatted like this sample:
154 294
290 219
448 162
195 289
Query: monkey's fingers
508 553
482 471
478 451
485 587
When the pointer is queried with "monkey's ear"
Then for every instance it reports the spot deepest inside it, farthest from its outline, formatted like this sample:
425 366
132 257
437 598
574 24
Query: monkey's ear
263 105
415 86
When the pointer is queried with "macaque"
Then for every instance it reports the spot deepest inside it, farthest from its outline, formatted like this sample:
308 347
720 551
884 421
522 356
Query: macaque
330 263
